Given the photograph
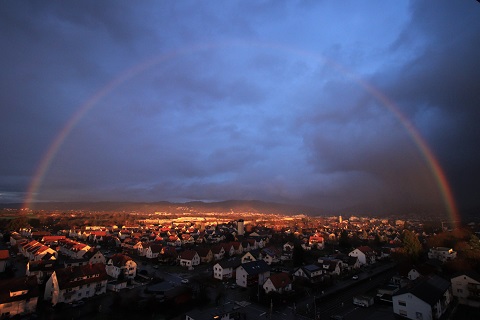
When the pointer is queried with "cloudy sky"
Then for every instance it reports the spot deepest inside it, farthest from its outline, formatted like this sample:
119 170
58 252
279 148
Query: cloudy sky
308 102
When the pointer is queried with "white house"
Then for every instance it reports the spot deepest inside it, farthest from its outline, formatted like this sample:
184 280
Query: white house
189 258
466 288
18 296
427 299
218 252
331 266
271 255
73 249
364 254
121 264
252 273
42 269
225 269
248 257
312 272
75 283
442 253
153 251
279 282
413 274
94 256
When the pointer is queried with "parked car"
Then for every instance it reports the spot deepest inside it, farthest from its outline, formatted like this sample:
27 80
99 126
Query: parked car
185 281
355 277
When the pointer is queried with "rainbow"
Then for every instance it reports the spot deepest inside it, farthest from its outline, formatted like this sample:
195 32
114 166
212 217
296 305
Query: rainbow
131 72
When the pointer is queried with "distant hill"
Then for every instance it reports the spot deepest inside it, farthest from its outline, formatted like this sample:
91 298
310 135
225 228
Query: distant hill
253 206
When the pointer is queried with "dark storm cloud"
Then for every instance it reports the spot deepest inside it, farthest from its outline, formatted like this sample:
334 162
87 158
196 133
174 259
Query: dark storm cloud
439 87
247 100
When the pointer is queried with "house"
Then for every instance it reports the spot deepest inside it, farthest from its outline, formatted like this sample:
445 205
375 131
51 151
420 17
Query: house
278 282
4 260
228 248
121 264
331 266
94 256
287 253
49 240
466 288
238 248
189 258
168 255
42 269
427 299
365 255
316 241
153 251
271 255
218 252
73 249
311 272
226 269
76 283
35 251
18 296
248 257
252 273
442 253
206 255
141 248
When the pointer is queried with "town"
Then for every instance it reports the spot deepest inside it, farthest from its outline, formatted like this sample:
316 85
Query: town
236 265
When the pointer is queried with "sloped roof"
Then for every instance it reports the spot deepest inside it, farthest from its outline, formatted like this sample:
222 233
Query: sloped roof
4 254
230 263
256 267
72 277
471 274
119 260
188 254
429 289
280 280
18 284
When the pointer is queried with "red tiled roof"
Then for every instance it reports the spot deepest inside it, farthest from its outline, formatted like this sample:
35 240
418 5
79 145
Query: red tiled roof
280 280
188 254
72 277
4 254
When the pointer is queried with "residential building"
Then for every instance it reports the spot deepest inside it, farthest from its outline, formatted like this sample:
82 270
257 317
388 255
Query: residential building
278 282
189 258
365 255
442 253
252 273
75 283
42 269
311 272
466 288
427 299
121 265
206 255
225 269
18 296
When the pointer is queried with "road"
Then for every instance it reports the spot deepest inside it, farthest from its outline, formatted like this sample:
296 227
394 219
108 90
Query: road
338 299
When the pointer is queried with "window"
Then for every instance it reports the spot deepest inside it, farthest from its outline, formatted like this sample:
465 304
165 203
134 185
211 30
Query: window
402 303
459 290
418 316
402 313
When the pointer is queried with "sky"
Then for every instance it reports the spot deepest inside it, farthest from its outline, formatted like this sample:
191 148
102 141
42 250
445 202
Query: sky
332 104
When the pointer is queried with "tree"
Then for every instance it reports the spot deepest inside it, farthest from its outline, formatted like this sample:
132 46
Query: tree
411 245
344 240
298 255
